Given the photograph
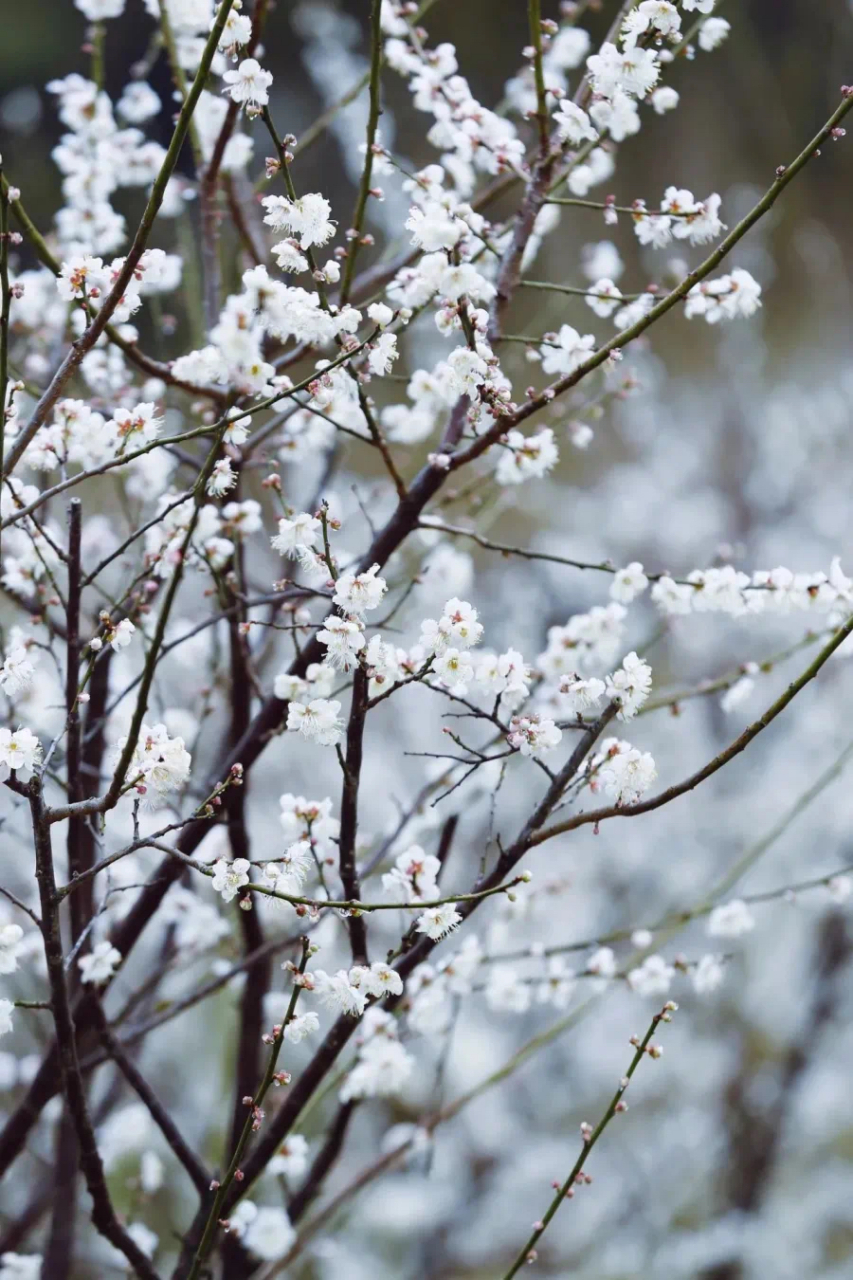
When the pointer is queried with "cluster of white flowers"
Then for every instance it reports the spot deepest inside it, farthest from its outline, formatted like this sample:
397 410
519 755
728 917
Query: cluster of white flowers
776 591
588 642
534 735
630 685
383 1065
624 772
159 763
348 991
726 298
680 216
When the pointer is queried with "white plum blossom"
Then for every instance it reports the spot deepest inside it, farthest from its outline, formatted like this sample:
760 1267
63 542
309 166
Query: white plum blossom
380 314
573 124
435 922
840 888
712 33
454 668
383 1064
17 670
122 634
506 991
628 583
617 117
337 992
100 965
20 750
602 963
297 536
382 354
730 920
249 85
20 1266
665 99
300 1026
630 685
580 695
534 735
603 298
222 478
413 878
652 978
433 227
726 298
708 975
467 371
568 352
343 639
10 938
307 218
658 16
625 772
317 720
287 874
159 761
270 1233
526 457
291 1159
6 1010
359 593
229 877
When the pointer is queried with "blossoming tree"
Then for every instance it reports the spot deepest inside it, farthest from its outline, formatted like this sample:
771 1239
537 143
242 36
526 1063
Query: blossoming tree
204 618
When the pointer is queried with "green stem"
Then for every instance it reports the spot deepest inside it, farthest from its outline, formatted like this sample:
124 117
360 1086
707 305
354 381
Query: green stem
534 21
257 1101
98 41
528 1251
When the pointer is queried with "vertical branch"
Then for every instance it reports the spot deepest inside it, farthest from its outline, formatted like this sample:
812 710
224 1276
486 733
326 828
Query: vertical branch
534 19
103 1214
59 1252
349 812
372 123
60 1248
77 840
258 974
